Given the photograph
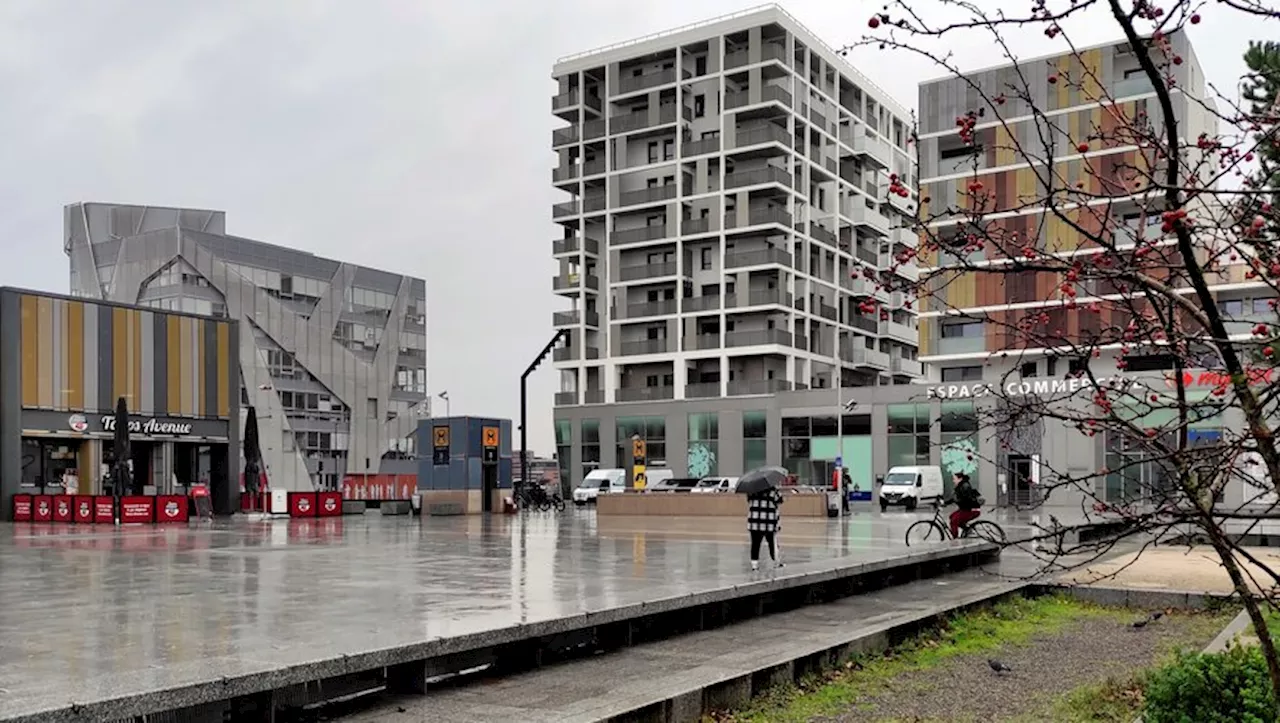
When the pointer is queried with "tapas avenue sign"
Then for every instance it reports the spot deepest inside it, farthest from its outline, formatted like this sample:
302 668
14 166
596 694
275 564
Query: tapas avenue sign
149 425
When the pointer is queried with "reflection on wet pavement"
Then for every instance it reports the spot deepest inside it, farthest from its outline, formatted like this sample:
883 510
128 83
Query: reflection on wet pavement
92 612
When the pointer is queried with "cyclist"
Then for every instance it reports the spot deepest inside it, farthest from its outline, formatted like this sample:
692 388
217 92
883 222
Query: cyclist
968 502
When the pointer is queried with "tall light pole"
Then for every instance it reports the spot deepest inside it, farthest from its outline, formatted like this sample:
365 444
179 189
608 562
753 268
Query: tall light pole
448 413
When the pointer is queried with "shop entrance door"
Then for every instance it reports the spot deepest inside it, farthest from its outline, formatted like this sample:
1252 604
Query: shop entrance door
489 483
1021 491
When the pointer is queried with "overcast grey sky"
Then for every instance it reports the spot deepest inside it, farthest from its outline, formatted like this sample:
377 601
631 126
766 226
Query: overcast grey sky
411 135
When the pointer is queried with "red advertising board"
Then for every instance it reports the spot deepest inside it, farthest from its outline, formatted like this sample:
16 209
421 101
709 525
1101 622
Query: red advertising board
330 504
171 508
379 486
137 508
104 509
43 508
302 504
62 508
22 508
82 508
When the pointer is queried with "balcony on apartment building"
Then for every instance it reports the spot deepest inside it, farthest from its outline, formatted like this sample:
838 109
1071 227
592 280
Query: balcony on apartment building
825 310
758 257
873 150
706 302
593 396
640 272
568 208
823 234
901 332
594 129
1138 84
565 136
595 200
640 120
663 307
757 176
868 256
857 211
573 99
702 342
757 134
644 346
909 270
759 217
962 345
645 394
905 206
633 83
692 226
861 286
574 244
701 390
574 353
745 387
768 94
865 323
701 147
652 194
565 399
638 235
768 51
565 172
757 337
574 283
819 121
759 297
574 317
904 236
907 367
860 356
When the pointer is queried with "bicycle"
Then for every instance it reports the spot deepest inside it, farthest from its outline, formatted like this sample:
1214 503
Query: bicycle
938 529
535 497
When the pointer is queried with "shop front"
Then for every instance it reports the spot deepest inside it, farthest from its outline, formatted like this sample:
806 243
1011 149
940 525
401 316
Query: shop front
59 386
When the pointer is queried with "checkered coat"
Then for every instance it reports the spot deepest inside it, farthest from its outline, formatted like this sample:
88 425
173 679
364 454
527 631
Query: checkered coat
762 511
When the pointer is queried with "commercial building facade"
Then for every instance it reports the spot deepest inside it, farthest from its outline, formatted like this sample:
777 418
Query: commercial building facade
961 427
333 355
728 225
67 363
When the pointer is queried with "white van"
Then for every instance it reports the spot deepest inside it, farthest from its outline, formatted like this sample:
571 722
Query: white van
597 482
655 476
909 486
715 484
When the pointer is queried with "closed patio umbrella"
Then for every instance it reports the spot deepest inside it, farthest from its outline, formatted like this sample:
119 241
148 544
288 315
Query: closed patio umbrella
120 442
252 457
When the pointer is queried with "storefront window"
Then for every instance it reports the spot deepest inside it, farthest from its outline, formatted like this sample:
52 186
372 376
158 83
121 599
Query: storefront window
959 441
795 447
704 433
754 440
653 430
590 445
908 435
564 439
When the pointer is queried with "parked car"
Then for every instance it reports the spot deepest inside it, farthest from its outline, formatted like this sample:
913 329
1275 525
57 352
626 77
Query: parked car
597 482
715 484
675 484
909 486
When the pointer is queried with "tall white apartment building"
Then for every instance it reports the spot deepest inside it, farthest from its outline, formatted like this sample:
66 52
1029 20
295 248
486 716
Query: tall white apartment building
726 210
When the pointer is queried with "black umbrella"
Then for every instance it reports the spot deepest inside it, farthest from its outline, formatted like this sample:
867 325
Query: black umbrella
761 479
120 443
252 456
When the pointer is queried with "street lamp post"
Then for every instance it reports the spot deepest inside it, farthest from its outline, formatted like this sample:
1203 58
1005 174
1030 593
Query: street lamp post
448 413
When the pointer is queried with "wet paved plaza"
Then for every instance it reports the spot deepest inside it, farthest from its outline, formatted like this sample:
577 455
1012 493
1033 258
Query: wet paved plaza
93 613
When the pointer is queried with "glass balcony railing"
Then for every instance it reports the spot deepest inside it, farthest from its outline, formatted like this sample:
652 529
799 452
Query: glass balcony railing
962 345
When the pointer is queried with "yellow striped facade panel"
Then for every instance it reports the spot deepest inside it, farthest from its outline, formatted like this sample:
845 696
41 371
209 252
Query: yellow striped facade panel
185 407
202 406
30 351
224 370
75 356
44 311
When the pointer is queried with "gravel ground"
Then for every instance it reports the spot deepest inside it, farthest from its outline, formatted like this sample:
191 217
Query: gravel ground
1085 652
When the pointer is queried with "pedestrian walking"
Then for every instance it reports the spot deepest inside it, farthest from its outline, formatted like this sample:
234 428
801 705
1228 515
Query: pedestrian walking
763 524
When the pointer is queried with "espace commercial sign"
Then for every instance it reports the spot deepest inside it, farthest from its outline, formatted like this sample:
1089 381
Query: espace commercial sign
1024 387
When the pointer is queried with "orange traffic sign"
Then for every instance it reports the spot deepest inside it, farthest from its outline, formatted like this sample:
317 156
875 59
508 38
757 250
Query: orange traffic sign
441 436
638 448
490 436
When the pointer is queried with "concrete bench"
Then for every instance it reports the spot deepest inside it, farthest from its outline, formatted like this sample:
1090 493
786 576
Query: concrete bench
394 507
445 509
353 507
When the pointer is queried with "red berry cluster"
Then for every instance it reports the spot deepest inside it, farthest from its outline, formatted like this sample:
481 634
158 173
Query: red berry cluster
896 187
965 124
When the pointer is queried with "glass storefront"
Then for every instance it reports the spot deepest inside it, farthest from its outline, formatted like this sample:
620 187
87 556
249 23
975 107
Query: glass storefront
704 435
908 435
564 450
755 443
590 446
959 442
653 430
811 446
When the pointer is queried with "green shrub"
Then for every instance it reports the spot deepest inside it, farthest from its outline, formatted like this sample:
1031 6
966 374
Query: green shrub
1227 687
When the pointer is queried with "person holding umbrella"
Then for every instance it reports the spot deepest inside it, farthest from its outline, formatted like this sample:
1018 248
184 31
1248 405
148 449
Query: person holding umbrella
763 500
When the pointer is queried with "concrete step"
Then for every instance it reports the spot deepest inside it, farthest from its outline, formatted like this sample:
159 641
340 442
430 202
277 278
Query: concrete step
683 678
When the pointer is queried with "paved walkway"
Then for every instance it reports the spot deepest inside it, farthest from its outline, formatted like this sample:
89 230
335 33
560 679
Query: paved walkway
1174 568
98 614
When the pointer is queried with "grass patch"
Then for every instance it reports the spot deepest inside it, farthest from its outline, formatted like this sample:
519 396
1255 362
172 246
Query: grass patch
1113 700
1012 622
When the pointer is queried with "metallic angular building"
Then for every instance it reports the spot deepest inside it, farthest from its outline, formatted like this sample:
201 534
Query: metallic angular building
332 355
